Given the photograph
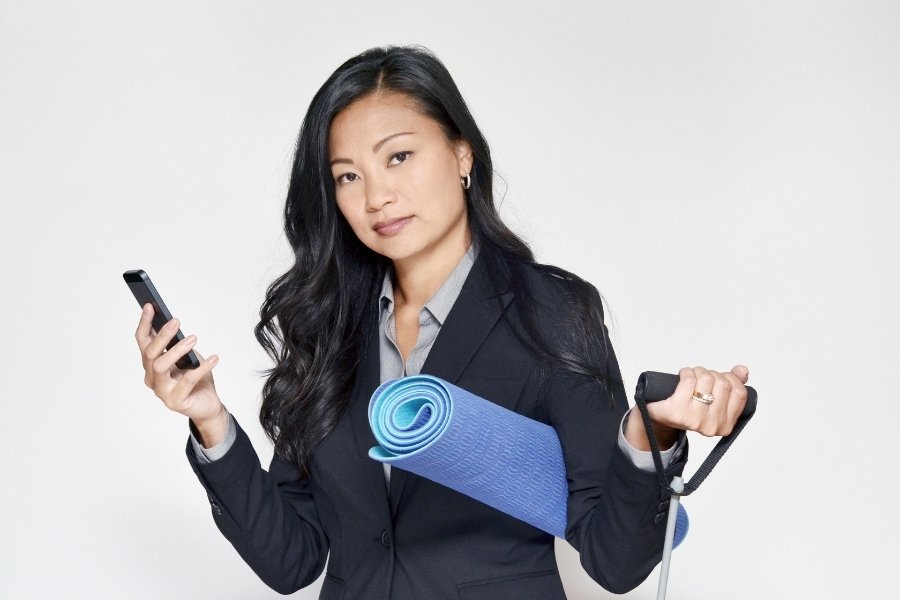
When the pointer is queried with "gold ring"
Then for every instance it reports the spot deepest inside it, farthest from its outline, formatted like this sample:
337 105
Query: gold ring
704 398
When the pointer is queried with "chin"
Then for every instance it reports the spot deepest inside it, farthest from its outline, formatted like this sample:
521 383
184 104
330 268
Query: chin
392 248
397 254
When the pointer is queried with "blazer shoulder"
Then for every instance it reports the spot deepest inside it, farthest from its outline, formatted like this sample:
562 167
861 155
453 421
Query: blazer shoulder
555 288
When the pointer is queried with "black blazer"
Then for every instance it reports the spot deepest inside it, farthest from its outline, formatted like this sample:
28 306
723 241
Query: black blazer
425 540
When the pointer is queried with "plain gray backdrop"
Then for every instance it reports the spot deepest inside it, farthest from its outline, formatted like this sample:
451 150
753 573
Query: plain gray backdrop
726 173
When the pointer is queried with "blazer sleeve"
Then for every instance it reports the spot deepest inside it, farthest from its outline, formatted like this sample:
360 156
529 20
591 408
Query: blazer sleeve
616 511
269 517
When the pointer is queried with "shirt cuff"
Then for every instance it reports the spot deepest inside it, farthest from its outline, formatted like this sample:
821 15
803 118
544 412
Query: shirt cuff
208 455
644 459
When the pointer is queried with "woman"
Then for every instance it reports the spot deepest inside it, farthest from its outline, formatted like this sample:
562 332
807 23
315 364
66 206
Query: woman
403 266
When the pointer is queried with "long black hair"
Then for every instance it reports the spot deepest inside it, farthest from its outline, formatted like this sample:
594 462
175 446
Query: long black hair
316 318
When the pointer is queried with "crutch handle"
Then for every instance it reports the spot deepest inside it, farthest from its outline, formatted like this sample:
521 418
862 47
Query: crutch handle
653 386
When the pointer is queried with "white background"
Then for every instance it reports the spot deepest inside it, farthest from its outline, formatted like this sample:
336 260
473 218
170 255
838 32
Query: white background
727 173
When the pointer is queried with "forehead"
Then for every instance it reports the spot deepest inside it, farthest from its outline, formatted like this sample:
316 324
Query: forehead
370 119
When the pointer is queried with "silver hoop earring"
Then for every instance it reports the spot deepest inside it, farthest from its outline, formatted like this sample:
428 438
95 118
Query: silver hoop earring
466 182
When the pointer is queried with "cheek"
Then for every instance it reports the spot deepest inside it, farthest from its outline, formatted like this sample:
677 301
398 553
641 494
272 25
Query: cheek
345 207
436 186
342 209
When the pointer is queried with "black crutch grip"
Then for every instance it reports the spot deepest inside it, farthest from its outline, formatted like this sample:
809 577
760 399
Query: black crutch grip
653 386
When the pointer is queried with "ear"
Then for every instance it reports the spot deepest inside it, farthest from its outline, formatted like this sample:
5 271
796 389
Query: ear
464 156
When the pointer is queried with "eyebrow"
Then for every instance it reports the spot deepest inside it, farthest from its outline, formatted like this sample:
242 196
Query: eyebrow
375 148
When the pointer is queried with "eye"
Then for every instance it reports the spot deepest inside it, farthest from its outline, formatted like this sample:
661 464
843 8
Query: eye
346 178
400 157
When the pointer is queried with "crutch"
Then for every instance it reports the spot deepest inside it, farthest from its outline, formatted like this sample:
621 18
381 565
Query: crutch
651 387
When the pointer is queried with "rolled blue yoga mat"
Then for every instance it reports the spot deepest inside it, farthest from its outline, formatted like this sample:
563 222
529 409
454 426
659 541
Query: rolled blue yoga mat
434 429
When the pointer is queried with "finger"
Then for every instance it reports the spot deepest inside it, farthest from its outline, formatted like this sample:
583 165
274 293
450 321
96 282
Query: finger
680 409
193 376
698 413
687 382
718 410
164 363
676 410
741 372
142 333
705 380
736 402
162 338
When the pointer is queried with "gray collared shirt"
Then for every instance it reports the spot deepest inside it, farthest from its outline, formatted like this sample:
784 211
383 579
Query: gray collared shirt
431 319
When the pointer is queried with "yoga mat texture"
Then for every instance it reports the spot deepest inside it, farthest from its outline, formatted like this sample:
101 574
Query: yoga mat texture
434 429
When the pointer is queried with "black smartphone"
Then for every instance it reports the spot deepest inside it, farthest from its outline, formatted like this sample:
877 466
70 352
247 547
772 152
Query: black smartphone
144 291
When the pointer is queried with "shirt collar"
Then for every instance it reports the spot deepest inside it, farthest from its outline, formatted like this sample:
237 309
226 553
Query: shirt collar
442 301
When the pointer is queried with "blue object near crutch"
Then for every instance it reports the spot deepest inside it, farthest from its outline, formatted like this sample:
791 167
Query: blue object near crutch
432 428
653 386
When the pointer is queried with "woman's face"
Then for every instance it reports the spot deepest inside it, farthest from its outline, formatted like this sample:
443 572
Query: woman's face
397 179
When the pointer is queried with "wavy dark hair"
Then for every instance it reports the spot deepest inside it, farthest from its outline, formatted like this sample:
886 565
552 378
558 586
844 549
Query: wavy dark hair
316 318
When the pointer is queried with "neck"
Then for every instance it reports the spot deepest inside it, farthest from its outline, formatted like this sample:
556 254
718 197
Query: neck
418 278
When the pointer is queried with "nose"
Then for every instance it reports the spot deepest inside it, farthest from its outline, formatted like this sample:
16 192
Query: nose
378 193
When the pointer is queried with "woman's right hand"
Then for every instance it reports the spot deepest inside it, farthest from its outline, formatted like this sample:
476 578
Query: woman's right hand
190 392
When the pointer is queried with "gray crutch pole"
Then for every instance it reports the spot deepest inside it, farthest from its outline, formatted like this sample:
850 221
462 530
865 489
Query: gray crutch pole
677 488
651 387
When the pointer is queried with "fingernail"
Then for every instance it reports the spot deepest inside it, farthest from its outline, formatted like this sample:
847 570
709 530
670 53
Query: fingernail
191 339
213 359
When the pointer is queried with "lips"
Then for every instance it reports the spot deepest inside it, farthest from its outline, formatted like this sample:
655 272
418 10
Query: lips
392 226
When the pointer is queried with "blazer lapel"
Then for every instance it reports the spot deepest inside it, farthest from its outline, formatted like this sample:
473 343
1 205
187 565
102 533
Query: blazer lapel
474 314
368 380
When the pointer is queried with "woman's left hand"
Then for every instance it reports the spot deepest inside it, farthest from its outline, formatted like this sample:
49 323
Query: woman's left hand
705 401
